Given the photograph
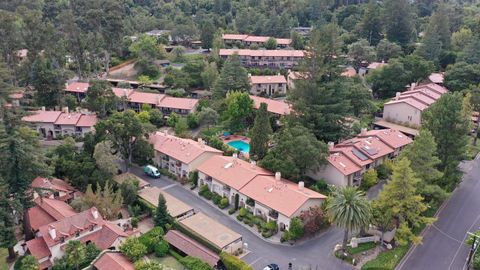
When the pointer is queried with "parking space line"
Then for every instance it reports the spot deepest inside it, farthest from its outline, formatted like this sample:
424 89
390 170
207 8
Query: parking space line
169 186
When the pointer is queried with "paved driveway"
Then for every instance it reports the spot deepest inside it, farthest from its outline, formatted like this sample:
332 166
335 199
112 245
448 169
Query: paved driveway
314 254
443 243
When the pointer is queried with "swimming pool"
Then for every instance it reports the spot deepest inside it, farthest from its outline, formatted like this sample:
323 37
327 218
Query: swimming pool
240 146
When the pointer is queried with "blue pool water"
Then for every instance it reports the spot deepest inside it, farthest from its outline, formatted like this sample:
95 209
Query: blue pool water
240 146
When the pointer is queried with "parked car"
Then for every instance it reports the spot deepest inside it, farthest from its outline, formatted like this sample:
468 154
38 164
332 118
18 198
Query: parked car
151 171
271 266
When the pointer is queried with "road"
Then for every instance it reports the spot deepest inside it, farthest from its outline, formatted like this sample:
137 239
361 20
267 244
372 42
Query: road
313 254
443 243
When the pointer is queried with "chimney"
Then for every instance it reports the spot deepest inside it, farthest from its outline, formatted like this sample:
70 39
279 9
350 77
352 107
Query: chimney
125 92
43 108
253 164
249 75
52 232
412 86
301 185
363 132
65 109
158 99
278 176
331 145
397 95
94 212
235 155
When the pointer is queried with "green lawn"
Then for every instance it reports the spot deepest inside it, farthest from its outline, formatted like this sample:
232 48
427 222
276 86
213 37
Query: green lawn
387 260
3 256
169 263
361 248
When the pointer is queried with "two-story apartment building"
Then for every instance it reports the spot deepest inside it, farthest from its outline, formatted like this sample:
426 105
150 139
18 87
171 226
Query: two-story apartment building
247 40
262 192
275 85
348 160
265 58
50 124
407 107
135 99
87 227
180 156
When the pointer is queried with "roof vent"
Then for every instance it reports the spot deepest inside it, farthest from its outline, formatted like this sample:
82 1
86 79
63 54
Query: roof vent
301 185
228 165
341 164
278 176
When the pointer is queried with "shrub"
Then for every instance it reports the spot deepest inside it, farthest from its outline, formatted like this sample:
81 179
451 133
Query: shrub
239 218
285 236
205 192
193 263
223 203
151 238
370 178
161 248
133 249
296 230
267 234
134 222
216 198
385 169
193 178
175 254
271 226
231 211
243 212
233 263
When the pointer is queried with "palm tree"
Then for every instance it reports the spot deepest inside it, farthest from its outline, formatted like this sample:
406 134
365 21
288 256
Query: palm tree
349 209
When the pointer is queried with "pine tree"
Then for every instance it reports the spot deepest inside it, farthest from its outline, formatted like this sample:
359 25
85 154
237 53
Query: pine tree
371 25
398 22
8 206
233 77
162 216
449 125
260 133
400 195
48 82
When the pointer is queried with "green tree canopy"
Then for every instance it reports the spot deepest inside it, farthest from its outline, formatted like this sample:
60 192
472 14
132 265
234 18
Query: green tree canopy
260 133
162 216
239 107
233 77
100 98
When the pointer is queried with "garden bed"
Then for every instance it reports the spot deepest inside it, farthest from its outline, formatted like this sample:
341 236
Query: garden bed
387 260
267 229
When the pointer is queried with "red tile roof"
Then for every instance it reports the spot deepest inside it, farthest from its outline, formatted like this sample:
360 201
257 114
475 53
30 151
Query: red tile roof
349 72
184 150
375 65
145 98
436 77
55 208
37 217
68 119
113 261
267 79
234 36
43 116
77 87
279 107
257 39
52 184
87 120
281 195
420 96
68 226
178 103
231 171
262 53
191 247
105 237
351 155
38 248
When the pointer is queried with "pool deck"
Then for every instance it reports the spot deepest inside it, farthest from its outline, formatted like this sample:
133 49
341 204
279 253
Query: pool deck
232 138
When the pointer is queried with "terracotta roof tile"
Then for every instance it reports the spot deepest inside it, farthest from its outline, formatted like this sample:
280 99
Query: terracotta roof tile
77 87
178 103
191 247
184 150
279 107
55 208
87 120
38 248
262 53
105 237
52 184
113 261
231 171
267 79
37 217
281 195
42 116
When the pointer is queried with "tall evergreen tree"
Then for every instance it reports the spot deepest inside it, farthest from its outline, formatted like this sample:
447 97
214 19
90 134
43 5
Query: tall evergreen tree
371 25
398 22
49 82
400 195
8 207
449 125
233 77
100 98
162 216
260 133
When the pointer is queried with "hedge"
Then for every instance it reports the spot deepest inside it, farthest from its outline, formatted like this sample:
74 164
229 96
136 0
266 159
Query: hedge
193 263
196 237
233 263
